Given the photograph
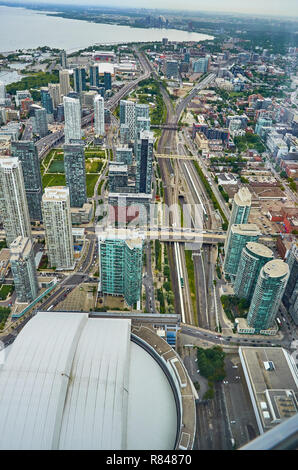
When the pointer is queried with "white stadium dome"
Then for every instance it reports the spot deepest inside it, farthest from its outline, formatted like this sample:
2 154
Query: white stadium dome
73 382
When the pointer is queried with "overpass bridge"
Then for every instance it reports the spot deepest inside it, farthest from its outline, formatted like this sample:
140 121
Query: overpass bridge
175 157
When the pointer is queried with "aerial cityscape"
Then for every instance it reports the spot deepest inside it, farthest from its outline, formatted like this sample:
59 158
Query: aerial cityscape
148 227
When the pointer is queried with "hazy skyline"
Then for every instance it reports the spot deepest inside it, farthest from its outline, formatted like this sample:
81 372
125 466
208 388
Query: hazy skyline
261 7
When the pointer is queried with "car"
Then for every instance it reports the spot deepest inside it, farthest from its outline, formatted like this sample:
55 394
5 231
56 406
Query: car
198 371
233 422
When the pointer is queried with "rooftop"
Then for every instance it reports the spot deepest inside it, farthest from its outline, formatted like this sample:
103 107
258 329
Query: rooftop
276 268
73 382
260 249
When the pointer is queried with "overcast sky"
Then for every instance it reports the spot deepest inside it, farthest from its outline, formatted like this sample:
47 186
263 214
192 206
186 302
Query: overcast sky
270 7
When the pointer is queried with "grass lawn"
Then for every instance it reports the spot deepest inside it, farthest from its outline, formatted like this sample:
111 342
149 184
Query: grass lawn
53 180
5 290
90 182
93 166
4 312
56 167
95 154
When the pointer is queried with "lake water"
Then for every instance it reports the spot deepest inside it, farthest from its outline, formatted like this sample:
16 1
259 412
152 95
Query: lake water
23 29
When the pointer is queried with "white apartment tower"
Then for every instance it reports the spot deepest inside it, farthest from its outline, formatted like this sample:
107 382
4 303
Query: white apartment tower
13 200
58 229
99 115
64 82
55 93
72 116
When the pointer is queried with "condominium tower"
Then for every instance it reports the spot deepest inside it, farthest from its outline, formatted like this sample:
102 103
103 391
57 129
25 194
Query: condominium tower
64 82
13 201
121 268
253 257
23 269
127 116
79 79
75 173
238 237
240 209
99 116
72 115
144 162
290 297
58 229
267 295
27 154
55 92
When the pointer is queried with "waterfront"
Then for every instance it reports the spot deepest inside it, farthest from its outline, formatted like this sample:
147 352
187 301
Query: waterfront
22 28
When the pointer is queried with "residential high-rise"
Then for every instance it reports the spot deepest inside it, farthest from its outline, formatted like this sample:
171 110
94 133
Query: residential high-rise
124 155
144 162
127 116
58 229
63 59
240 209
23 269
41 122
253 257
13 201
142 111
238 237
267 295
99 116
201 65
118 177
79 79
72 116
64 82
124 134
46 100
121 268
93 75
75 173
26 152
172 69
107 79
2 92
55 92
290 297
142 124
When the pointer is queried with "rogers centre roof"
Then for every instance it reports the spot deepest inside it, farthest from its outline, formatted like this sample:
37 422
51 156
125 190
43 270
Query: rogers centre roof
73 382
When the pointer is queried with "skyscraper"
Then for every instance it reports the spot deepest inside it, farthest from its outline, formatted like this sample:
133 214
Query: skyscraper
267 295
93 75
75 173
99 116
27 154
41 122
172 69
121 268
72 115
55 92
253 257
238 237
142 111
46 100
2 92
127 116
63 59
64 82
79 79
23 269
240 209
144 162
58 229
107 79
124 134
13 201
290 297
124 155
